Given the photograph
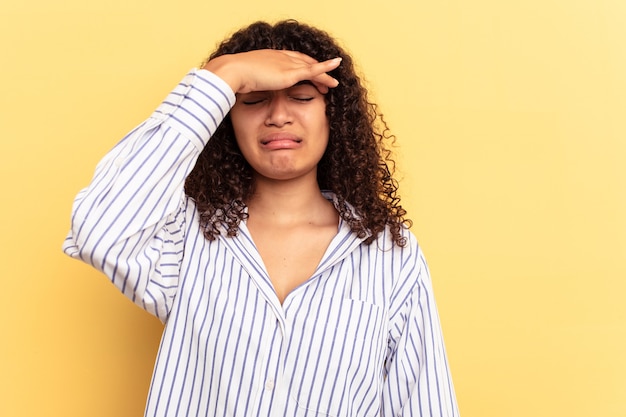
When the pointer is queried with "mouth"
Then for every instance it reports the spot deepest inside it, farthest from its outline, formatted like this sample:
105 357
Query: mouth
276 138
280 141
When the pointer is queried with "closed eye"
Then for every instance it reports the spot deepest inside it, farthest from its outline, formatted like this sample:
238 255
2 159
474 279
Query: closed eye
253 98
303 99
251 102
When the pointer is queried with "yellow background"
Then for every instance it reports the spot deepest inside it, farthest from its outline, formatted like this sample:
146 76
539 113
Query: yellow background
511 125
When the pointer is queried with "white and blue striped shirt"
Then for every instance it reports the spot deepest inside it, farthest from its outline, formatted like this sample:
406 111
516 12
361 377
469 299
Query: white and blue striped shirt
360 338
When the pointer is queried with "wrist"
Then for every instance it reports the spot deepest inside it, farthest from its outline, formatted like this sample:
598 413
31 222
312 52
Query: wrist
221 66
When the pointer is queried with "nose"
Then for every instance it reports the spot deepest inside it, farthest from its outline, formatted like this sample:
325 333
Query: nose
278 111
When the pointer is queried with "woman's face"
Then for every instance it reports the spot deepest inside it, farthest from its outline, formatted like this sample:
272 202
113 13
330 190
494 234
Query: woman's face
282 134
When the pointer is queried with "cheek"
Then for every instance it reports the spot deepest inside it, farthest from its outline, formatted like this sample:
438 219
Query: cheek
325 131
240 129
235 119
317 122
243 144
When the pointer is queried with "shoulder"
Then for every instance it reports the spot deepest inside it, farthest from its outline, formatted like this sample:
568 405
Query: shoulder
409 249
409 259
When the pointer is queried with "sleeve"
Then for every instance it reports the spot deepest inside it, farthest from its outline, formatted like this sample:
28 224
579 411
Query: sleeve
418 381
129 222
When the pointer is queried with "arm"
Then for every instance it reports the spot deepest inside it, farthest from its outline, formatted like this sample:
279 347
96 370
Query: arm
418 381
128 223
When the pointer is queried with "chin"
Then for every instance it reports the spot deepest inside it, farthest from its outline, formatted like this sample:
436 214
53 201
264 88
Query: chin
288 174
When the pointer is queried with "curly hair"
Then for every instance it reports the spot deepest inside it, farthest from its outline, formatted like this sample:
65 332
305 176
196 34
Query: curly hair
356 166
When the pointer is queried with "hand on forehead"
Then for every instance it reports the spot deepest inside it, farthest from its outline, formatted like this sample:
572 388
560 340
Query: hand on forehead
268 69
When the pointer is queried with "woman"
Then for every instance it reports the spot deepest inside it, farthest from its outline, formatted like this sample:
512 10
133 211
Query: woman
255 214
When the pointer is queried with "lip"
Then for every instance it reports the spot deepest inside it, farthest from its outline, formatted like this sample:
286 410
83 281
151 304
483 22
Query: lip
280 140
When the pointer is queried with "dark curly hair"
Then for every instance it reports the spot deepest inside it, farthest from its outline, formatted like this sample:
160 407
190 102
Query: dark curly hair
356 165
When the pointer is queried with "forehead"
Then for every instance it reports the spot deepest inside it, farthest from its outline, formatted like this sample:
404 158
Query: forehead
299 85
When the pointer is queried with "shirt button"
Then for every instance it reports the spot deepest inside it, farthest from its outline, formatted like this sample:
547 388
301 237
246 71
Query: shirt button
269 384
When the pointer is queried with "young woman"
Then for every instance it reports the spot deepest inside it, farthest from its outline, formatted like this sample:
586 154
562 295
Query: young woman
255 214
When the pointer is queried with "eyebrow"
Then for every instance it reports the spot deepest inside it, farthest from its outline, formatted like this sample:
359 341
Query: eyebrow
303 82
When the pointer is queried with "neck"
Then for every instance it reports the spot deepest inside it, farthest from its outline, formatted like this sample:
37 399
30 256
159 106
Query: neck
287 202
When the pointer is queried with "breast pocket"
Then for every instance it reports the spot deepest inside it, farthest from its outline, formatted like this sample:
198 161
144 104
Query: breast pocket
343 364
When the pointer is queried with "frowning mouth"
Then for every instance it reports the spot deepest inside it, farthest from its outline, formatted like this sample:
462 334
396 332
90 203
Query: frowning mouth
280 140
280 137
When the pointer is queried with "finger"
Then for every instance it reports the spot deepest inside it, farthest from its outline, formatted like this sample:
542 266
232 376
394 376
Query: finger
324 66
322 80
330 64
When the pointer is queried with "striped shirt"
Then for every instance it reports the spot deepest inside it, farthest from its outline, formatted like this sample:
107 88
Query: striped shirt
361 337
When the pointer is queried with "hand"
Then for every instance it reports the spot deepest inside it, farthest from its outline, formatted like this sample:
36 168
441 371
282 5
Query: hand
269 69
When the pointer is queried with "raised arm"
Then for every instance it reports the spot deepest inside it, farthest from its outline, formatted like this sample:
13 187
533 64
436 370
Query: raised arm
130 221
